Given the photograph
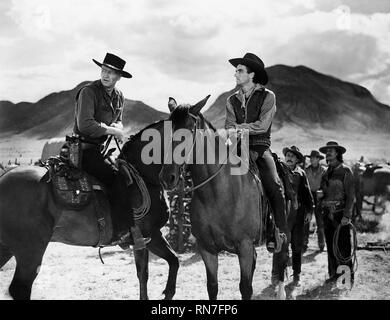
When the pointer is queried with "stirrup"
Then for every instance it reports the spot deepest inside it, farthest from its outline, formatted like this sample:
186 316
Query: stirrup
123 241
139 241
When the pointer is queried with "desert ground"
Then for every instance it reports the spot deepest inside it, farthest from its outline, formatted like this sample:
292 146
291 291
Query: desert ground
70 272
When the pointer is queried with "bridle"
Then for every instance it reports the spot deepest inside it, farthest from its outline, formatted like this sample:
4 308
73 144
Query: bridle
183 167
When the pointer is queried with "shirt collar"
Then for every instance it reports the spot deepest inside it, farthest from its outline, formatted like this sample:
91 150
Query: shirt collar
314 169
114 91
241 95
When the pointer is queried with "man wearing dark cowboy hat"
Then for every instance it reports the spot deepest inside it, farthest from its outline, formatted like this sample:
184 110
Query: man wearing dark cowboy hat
299 215
98 114
337 201
314 174
253 108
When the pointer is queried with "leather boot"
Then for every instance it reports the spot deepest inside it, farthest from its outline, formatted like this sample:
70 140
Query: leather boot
139 242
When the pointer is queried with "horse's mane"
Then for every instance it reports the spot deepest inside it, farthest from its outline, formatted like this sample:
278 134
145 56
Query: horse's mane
180 114
136 137
209 124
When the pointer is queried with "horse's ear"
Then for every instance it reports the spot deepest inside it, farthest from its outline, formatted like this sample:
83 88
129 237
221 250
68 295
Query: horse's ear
195 109
172 104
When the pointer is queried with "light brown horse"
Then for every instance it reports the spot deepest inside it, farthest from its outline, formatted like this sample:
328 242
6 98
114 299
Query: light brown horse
226 210
30 219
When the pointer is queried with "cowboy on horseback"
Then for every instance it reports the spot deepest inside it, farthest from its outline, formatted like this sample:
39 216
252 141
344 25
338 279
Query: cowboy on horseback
253 108
98 114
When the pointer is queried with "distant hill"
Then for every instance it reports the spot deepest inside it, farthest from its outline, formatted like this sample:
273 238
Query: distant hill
53 115
312 108
312 101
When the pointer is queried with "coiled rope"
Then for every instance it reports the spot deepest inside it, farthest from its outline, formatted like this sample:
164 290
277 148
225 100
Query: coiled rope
143 209
336 250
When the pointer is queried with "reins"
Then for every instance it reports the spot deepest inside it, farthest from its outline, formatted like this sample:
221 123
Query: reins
183 167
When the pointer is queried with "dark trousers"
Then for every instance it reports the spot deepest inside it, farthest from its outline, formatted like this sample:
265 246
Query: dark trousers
94 164
272 185
320 225
274 191
296 221
344 242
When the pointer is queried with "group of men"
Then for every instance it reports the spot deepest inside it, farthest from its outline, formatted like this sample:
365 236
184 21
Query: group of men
329 194
98 114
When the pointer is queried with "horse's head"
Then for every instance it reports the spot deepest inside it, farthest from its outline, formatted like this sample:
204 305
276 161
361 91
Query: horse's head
185 119
358 168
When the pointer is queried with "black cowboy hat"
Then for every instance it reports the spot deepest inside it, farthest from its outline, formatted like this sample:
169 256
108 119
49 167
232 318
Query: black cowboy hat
294 150
253 62
114 62
315 153
332 144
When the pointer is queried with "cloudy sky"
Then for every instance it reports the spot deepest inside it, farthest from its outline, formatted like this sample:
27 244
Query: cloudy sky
180 48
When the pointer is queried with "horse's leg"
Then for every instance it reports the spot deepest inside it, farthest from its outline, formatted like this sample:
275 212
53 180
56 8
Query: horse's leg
211 262
28 262
5 255
160 247
141 261
247 258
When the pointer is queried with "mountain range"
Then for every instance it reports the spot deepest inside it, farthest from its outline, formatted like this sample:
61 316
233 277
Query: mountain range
310 105
53 115
312 100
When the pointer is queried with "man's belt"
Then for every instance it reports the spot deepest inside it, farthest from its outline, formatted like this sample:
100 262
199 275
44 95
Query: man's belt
333 206
87 145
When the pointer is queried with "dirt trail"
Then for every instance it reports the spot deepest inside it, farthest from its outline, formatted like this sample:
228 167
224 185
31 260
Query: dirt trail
71 272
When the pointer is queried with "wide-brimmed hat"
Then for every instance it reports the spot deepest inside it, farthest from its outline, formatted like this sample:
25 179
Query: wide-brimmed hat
315 153
114 62
332 144
295 150
256 65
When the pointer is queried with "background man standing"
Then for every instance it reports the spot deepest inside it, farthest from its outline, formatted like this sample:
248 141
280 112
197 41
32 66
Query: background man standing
337 202
297 217
314 174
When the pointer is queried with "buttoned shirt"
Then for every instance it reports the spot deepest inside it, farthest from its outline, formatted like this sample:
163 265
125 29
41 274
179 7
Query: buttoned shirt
314 176
338 185
94 107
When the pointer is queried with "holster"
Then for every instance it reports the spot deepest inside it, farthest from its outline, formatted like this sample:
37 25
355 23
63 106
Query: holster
330 208
75 150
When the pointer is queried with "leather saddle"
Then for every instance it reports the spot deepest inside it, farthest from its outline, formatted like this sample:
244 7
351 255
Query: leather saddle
76 191
72 187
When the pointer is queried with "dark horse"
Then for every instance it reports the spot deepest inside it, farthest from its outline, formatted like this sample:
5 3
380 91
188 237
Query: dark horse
29 220
370 180
226 210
